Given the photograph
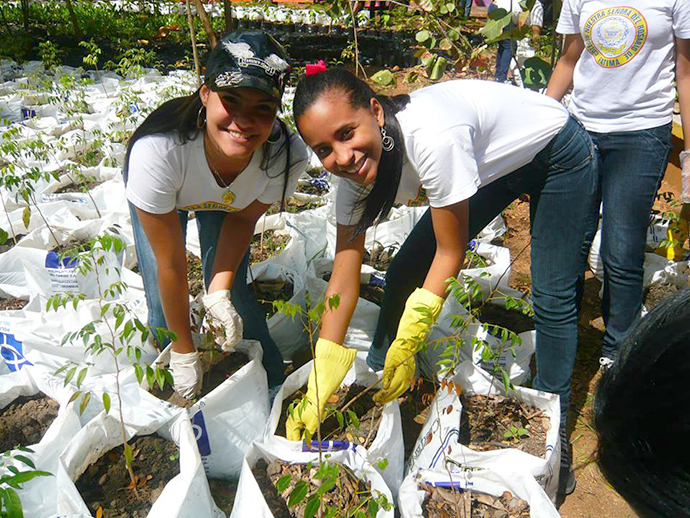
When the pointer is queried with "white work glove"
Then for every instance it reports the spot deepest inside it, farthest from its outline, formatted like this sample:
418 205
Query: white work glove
685 179
187 373
219 307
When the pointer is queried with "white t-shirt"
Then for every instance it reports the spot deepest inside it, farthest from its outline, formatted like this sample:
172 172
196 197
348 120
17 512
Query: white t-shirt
459 136
164 175
624 79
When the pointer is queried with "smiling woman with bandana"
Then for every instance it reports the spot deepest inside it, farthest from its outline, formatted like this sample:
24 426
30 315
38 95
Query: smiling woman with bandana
222 153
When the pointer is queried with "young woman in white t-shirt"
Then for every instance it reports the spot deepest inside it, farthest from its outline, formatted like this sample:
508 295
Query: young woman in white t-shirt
470 148
622 59
221 153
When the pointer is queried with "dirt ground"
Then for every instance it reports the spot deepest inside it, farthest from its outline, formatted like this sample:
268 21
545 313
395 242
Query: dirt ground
593 496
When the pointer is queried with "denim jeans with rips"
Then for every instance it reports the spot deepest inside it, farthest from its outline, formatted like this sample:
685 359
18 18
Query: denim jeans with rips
631 166
253 316
562 184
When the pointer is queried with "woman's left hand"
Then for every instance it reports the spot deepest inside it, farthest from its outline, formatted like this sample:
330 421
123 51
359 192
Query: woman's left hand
219 306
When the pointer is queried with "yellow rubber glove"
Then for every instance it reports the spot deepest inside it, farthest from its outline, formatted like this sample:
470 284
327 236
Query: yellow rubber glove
414 326
332 361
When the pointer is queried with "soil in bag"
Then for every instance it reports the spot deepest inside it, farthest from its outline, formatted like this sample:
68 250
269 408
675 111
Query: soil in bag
223 492
217 366
10 303
271 245
414 408
347 492
656 293
88 184
9 243
452 503
497 422
380 256
512 319
25 421
268 291
366 291
357 424
106 483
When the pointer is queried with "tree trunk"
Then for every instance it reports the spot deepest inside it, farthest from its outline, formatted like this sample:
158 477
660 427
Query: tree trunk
25 14
75 23
207 23
192 33
227 10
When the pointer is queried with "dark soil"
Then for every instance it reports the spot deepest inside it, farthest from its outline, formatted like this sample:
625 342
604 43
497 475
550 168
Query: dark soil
9 244
24 421
511 319
379 257
366 291
271 246
9 303
361 430
453 503
486 420
89 184
195 275
82 244
217 367
106 483
655 294
223 493
348 492
268 291
414 408
312 188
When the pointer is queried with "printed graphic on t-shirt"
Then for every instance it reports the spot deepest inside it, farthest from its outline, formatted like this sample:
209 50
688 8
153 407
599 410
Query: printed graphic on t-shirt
228 199
615 35
420 199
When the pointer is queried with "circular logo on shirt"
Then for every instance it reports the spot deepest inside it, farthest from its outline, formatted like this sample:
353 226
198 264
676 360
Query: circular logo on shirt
229 197
615 35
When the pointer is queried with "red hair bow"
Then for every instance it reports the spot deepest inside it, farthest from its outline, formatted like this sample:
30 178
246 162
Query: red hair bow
316 68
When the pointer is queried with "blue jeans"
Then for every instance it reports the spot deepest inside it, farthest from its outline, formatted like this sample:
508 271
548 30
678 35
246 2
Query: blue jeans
562 183
506 50
631 166
253 316
466 5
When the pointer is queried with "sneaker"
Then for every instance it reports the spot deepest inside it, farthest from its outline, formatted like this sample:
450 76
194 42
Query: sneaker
605 364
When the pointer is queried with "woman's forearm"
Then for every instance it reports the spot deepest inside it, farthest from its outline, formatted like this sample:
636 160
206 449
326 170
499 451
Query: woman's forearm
562 77
174 293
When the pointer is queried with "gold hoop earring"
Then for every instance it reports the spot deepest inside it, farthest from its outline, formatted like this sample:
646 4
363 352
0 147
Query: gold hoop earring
201 113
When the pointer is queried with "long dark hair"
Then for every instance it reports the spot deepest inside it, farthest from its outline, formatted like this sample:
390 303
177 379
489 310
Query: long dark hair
380 200
180 115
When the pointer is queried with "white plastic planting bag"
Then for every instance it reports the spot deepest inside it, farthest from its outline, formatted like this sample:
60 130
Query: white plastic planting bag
39 496
489 481
232 416
188 494
250 501
444 334
388 443
440 433
360 332
288 334
496 274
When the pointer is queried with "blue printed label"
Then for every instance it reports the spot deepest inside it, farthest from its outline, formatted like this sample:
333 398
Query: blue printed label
63 277
12 351
200 434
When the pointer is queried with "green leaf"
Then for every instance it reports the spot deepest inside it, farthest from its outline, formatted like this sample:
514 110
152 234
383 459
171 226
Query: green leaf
129 456
298 493
26 217
353 418
439 69
106 402
82 375
25 460
422 36
84 402
70 375
3 236
384 78
283 482
382 464
313 506
160 378
11 502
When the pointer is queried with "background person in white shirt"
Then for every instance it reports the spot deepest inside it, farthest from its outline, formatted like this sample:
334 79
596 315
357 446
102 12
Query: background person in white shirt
221 153
471 148
622 59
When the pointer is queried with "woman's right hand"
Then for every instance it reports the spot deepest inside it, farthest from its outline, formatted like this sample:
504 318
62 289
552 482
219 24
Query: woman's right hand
331 363
187 373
